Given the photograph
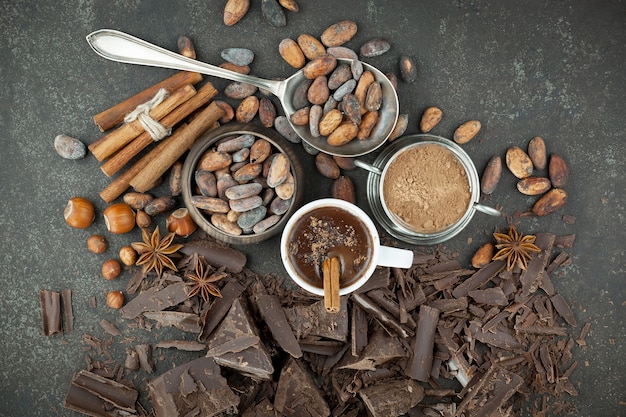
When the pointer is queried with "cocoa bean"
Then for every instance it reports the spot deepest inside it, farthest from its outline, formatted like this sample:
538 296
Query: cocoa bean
286 189
232 216
214 160
342 52
266 223
339 33
368 121
558 171
241 155
343 189
138 201
160 205
466 132
237 192
229 113
300 117
318 91
430 118
247 109
537 152
310 149
221 222
550 202
292 53
237 143
400 128
248 219
238 56
239 91
268 195
259 151
408 69
356 67
211 204
393 79
374 47
206 182
290 5
340 75
278 170
235 167
185 47
483 255
330 121
224 182
315 115
266 165
344 162
273 13
244 204
279 205
491 175
282 126
322 65
310 46
533 185
343 134
299 99
327 166
267 112
330 104
374 97
235 10
175 179
361 88
344 89
69 147
247 172
351 108
519 162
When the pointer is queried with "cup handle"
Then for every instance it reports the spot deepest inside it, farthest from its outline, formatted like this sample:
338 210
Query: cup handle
395 257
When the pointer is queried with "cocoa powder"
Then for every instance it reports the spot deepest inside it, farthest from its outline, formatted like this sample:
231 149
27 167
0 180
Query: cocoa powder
427 188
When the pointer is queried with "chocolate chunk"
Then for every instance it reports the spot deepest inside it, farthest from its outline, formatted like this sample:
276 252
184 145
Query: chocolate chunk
50 302
68 311
95 395
314 320
274 316
187 322
216 255
496 337
358 329
297 394
491 296
391 398
214 314
490 392
173 393
381 349
479 278
384 318
531 277
110 328
144 352
237 328
155 299
561 306
421 362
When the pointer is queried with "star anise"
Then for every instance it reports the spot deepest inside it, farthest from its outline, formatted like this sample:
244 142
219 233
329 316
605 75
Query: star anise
154 252
203 278
515 248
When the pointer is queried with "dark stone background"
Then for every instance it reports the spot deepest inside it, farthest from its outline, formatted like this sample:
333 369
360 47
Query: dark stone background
538 67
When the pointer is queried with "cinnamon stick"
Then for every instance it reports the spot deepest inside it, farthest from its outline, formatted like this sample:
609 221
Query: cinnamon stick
121 158
330 270
118 138
113 116
144 180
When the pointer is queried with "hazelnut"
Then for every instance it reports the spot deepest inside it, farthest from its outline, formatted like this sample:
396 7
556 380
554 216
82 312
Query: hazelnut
97 243
119 218
115 299
143 219
180 222
128 255
111 268
79 213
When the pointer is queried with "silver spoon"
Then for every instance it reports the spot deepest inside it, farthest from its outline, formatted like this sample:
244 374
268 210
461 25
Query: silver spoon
122 47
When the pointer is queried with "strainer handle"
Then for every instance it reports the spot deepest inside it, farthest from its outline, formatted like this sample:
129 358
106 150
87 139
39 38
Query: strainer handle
487 210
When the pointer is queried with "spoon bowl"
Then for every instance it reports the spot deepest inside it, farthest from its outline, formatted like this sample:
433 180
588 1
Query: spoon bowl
122 47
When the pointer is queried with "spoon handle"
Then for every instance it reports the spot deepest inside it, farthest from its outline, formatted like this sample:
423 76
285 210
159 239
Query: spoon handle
122 47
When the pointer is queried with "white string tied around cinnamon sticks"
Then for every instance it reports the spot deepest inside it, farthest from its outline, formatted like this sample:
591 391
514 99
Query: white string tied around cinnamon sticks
142 112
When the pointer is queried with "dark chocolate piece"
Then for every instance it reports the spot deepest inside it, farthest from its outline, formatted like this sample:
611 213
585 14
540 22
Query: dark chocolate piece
490 393
480 277
531 277
565 242
50 302
110 328
68 311
321 347
449 305
187 322
214 314
387 300
391 398
237 328
234 346
381 349
132 359
174 395
384 318
274 316
155 299
561 306
187 345
94 395
379 279
263 409
495 337
314 320
358 330
144 352
491 296
216 255
297 394
421 361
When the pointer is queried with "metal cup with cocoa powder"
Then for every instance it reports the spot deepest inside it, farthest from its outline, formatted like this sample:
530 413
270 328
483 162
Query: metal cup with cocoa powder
424 189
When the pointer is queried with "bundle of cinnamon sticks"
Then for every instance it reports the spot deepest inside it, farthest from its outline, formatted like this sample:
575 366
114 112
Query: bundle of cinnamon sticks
125 141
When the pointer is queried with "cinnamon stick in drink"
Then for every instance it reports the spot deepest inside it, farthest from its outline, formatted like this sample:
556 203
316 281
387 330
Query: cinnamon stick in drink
113 116
331 273
144 180
121 158
118 138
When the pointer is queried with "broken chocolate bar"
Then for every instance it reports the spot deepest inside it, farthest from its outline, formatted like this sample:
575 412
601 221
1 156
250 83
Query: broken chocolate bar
297 394
50 302
96 396
392 397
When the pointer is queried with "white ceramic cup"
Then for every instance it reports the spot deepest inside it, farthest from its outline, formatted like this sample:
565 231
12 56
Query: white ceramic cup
380 255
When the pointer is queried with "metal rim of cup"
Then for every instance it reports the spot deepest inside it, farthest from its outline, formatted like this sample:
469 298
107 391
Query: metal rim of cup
343 205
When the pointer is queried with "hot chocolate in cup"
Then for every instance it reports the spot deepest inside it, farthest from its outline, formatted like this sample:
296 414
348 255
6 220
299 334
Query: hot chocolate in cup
328 228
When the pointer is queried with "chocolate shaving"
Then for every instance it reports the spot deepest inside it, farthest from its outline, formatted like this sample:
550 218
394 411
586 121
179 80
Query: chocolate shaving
187 345
144 353
155 299
68 311
481 277
50 302
216 255
391 398
95 396
561 306
383 318
212 317
421 362
188 322
531 277
297 394
110 328
358 330
274 316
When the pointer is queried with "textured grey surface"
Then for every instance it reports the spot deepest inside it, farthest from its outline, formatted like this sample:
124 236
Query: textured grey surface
553 69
